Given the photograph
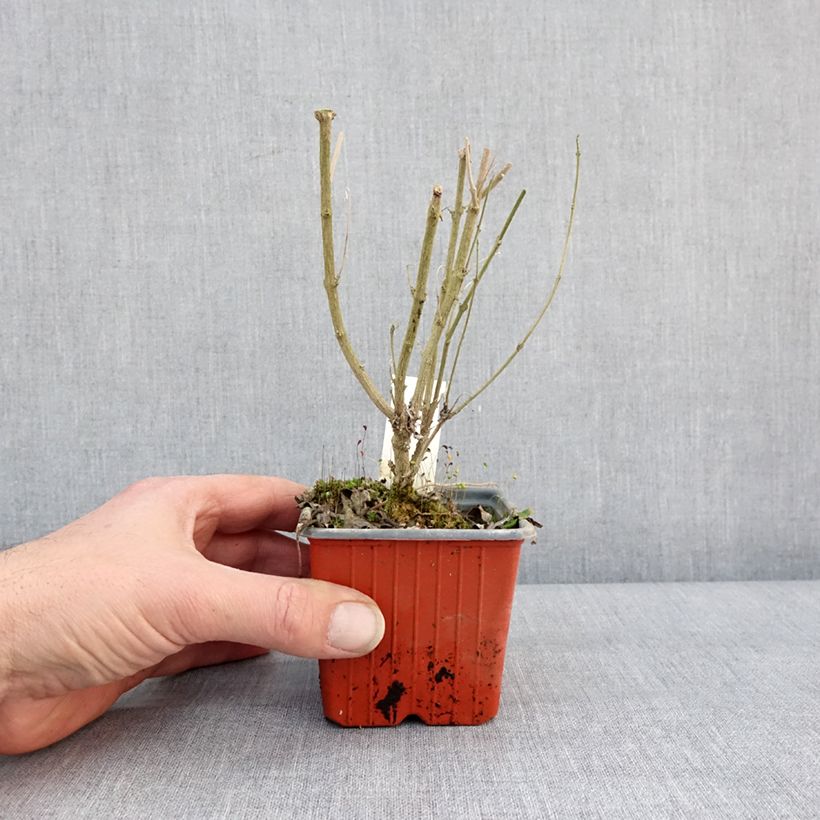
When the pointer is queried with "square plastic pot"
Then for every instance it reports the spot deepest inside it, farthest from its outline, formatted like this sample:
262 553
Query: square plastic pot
446 596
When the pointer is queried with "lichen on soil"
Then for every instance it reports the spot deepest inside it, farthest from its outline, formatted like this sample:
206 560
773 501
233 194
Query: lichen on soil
366 503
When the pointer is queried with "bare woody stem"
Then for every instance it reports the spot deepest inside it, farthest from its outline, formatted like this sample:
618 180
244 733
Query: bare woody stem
557 281
403 420
448 335
458 211
428 390
413 420
467 305
428 355
331 280
453 278
479 194
446 414
419 298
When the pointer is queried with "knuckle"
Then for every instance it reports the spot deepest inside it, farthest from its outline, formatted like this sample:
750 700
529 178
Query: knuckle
292 612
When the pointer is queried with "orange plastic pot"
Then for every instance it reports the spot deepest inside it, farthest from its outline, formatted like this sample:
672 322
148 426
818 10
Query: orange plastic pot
446 596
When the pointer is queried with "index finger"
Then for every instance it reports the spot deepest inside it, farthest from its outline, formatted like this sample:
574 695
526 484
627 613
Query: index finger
238 503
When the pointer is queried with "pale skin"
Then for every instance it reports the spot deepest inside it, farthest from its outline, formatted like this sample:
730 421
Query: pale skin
169 575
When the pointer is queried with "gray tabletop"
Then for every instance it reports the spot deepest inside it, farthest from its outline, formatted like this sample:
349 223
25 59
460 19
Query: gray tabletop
661 700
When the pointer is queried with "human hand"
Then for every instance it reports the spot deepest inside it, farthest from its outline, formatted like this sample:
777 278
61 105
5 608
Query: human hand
171 574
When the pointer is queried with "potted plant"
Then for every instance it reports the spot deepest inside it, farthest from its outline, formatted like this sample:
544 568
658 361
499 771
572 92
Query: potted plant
440 561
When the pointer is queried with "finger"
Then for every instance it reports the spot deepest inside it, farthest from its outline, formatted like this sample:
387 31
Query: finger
300 616
238 503
260 551
206 654
199 505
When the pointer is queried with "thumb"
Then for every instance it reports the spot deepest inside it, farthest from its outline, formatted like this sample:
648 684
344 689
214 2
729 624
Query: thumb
299 616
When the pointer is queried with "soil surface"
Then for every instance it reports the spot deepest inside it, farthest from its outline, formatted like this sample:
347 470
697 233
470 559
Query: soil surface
365 503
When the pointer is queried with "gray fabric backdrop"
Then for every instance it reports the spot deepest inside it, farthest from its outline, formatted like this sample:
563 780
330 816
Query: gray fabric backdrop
160 264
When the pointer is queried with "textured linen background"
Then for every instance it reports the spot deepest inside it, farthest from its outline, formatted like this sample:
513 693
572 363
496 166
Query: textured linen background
161 265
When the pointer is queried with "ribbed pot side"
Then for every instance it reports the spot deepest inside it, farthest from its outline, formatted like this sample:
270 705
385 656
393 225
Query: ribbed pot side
446 601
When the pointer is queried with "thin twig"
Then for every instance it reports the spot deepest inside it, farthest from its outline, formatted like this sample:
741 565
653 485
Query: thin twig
451 286
564 254
467 304
458 210
470 300
448 336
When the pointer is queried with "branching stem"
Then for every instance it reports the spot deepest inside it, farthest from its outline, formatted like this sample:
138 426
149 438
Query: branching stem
413 420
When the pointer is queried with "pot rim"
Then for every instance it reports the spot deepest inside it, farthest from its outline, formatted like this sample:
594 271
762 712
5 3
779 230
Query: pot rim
524 533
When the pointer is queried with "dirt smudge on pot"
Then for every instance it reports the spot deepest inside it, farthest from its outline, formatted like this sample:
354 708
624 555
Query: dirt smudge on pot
443 673
387 705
